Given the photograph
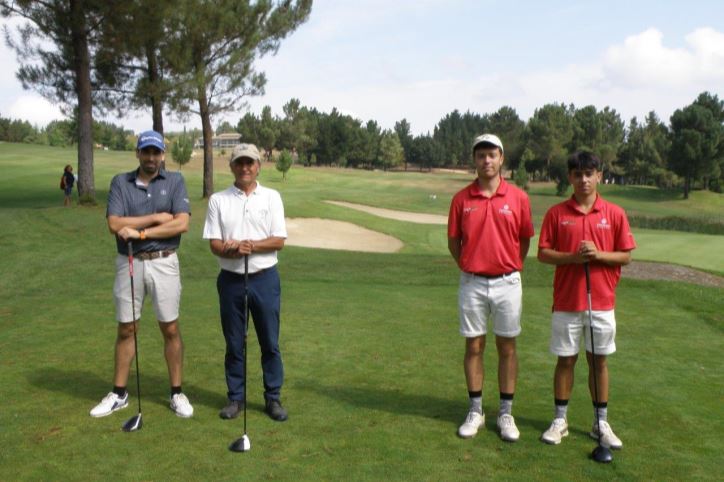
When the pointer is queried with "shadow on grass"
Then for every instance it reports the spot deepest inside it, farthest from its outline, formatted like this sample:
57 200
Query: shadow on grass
419 405
86 385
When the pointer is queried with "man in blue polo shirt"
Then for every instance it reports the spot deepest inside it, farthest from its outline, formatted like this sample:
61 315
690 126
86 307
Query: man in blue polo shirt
150 206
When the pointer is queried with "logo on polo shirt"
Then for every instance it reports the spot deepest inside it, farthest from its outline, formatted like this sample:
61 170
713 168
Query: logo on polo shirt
568 222
505 210
469 210
603 224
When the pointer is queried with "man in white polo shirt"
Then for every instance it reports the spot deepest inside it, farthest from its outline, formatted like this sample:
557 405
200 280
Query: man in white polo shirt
247 219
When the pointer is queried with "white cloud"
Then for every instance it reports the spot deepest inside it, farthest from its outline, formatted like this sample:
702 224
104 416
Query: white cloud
34 109
644 61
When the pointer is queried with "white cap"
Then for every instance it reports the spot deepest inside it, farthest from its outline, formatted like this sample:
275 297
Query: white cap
245 150
488 139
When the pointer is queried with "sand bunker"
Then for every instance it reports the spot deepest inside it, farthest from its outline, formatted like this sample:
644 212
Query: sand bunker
419 218
329 234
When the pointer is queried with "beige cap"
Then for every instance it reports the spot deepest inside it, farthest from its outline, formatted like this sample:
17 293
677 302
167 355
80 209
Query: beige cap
245 150
488 139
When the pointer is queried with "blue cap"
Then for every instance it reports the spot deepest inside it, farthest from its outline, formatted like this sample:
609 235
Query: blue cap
150 139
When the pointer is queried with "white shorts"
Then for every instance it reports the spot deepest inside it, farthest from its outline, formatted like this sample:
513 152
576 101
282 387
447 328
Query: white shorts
568 326
498 299
160 278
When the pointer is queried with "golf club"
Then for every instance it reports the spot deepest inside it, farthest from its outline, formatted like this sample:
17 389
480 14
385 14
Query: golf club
136 422
600 453
244 444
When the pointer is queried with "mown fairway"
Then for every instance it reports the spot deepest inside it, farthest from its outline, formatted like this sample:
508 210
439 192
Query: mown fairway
374 381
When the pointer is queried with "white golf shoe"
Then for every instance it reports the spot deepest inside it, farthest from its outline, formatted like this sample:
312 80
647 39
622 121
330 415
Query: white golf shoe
508 431
472 423
109 404
181 405
556 432
608 438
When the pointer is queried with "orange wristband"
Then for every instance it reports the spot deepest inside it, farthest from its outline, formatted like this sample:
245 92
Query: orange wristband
142 234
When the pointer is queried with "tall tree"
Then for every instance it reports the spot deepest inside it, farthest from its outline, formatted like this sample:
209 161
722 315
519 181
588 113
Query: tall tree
550 132
131 66
391 151
506 124
695 137
268 131
643 156
212 49
402 128
54 50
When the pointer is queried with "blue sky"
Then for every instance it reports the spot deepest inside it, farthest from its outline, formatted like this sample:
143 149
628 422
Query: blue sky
419 60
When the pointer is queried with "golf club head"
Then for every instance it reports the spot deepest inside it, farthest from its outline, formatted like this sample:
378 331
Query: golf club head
241 445
132 424
602 455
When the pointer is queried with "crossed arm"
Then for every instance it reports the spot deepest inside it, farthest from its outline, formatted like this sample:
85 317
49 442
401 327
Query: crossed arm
156 226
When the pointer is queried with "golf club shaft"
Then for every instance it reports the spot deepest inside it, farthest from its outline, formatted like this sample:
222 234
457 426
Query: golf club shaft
133 316
246 327
593 348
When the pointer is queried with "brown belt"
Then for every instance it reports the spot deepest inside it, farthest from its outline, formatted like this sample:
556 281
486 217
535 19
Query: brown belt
154 254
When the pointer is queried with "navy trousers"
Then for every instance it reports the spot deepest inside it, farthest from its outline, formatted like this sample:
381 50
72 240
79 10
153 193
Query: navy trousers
264 304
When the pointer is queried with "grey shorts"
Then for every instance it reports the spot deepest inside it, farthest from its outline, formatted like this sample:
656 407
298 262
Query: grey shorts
160 278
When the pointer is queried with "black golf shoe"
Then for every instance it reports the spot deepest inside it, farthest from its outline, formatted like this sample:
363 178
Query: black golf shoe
275 410
232 410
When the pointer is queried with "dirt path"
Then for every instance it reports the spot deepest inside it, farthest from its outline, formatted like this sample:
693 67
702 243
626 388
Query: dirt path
420 218
670 272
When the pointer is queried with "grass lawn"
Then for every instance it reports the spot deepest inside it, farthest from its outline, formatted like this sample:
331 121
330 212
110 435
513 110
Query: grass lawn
373 360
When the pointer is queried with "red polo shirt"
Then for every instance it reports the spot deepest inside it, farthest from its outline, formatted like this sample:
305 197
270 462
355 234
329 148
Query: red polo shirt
564 227
490 228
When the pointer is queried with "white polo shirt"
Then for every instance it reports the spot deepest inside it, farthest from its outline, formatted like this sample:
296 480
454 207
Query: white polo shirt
234 215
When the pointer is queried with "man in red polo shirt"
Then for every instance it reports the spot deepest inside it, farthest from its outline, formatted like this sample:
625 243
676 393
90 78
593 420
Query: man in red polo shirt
584 229
489 231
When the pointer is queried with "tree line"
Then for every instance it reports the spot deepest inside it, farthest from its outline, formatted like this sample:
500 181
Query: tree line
197 57
64 133
687 153
184 56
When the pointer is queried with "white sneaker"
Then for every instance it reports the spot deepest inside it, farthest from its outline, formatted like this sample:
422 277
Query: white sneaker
470 426
181 405
109 404
508 431
556 432
608 438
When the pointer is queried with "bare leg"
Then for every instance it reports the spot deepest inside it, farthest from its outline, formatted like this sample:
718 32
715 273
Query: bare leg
601 377
473 363
507 364
173 351
563 378
125 351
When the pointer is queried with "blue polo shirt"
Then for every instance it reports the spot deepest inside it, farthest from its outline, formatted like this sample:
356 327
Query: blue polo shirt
166 193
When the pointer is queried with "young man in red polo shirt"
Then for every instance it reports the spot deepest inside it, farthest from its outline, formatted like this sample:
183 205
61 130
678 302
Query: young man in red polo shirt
584 229
489 231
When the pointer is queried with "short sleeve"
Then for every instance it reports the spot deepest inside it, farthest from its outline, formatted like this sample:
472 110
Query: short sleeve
278 226
180 203
453 219
624 237
526 218
547 238
115 197
212 226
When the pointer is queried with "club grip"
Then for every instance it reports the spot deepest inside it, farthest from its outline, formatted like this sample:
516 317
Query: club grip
588 277
130 258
